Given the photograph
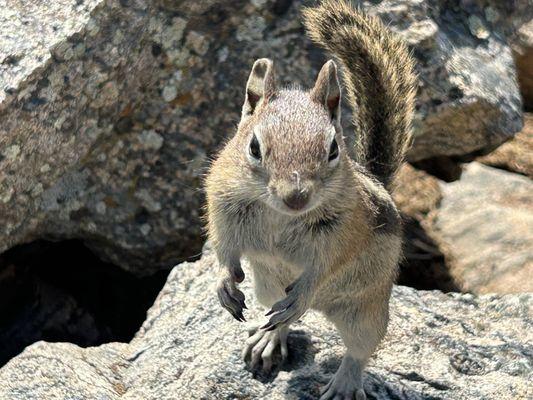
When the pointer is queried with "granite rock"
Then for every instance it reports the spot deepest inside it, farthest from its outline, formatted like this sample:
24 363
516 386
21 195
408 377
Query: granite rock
484 227
69 70
108 120
439 346
415 192
466 104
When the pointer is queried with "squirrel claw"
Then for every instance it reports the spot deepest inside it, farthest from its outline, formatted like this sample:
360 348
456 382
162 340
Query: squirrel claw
281 305
232 299
285 311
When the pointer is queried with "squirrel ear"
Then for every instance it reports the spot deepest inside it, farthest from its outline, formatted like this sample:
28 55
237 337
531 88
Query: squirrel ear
327 90
260 87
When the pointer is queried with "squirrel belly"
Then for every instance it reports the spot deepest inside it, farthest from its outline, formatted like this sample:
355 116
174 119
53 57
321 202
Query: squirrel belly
318 228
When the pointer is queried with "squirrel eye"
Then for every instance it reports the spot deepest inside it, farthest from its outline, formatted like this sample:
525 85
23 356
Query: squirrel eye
333 150
255 149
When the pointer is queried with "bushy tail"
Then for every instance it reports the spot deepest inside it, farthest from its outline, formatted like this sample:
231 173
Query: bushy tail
379 78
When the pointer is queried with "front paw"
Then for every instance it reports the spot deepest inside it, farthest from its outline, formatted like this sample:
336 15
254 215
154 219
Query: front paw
288 310
231 298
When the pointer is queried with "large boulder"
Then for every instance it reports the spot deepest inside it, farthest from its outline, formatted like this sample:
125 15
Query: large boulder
415 192
68 70
466 103
438 346
484 227
108 119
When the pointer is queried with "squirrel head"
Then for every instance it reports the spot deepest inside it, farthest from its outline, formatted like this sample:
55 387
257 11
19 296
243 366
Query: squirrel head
291 141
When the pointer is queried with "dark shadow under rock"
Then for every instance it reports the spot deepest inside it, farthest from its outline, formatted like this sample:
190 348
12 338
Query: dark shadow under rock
445 168
424 266
62 292
418 194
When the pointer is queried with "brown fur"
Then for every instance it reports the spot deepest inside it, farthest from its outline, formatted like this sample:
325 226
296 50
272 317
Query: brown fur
339 253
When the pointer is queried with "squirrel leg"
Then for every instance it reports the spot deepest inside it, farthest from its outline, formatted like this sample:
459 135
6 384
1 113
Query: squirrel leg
262 345
362 325
269 281
347 382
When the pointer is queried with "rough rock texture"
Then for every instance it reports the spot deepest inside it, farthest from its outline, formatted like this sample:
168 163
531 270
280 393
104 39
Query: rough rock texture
68 71
466 103
484 226
438 346
107 120
516 155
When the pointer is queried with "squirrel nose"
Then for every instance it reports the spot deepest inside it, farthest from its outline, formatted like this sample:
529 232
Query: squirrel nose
297 200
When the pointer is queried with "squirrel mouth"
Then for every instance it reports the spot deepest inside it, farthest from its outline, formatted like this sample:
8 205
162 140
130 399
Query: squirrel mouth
293 207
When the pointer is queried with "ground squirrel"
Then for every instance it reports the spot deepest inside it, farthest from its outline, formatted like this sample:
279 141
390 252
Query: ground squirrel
318 228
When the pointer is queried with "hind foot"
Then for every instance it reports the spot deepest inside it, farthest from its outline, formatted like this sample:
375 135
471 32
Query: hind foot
261 346
346 384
